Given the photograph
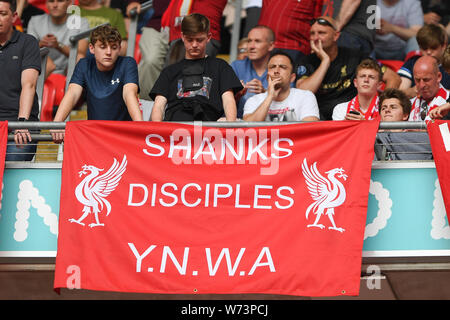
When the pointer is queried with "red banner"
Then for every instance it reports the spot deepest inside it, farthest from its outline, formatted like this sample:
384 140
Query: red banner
439 134
3 145
171 208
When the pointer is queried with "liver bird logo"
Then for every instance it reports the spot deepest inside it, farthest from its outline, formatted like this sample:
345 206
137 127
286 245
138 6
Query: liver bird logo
327 192
95 188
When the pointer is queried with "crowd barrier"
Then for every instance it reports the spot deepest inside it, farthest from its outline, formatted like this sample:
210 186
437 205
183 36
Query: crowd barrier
41 136
406 227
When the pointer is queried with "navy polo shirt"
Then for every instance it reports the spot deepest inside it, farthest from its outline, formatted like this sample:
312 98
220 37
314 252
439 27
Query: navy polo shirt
21 52
104 89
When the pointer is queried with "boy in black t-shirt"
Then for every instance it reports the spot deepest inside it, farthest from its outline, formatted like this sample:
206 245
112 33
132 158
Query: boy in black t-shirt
198 87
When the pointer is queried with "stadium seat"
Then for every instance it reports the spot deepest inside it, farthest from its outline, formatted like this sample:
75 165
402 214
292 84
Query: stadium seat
393 64
52 95
39 4
137 50
48 100
412 54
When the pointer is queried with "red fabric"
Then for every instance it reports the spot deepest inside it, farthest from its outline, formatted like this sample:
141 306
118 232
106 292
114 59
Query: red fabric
204 212
439 134
290 22
213 10
39 4
3 144
393 64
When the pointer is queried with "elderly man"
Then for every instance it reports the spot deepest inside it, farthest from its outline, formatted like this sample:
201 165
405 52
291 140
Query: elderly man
329 70
252 71
430 93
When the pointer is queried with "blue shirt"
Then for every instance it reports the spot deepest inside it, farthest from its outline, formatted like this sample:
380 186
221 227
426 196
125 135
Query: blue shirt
245 72
104 90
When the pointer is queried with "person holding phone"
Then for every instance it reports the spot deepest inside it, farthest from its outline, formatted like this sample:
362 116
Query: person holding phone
364 106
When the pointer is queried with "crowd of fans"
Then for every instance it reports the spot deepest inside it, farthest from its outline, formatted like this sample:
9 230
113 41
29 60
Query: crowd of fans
297 61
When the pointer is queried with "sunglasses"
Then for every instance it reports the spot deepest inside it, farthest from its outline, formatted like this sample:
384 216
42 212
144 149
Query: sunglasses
423 110
322 22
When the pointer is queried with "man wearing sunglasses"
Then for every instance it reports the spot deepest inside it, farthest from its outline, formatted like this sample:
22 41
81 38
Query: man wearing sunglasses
329 70
430 93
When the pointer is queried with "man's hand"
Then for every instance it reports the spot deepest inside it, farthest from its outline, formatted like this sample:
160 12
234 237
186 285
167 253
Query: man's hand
57 135
431 18
274 87
352 116
318 50
50 41
21 137
439 112
241 93
132 6
255 86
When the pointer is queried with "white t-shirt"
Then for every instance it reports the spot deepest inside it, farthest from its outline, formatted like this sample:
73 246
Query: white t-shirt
340 111
297 106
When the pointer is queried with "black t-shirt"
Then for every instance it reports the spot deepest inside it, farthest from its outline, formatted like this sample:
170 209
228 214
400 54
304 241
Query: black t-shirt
337 86
21 52
217 77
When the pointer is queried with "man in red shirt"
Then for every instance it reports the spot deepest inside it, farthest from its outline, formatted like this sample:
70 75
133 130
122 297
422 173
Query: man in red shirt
290 22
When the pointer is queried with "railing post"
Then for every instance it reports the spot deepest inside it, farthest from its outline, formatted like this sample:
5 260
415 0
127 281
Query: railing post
235 34
134 17
41 79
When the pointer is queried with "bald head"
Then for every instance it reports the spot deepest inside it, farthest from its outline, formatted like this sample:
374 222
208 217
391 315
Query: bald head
427 63
325 21
427 77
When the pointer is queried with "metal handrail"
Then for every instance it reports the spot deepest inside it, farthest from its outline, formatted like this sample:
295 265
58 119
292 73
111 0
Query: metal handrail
41 79
133 26
37 125
236 32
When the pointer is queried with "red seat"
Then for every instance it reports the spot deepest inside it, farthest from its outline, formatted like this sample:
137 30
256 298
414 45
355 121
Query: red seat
48 101
393 64
53 93
39 4
137 50
412 54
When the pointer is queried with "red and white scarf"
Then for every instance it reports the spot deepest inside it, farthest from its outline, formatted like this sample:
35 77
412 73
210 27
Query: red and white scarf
439 99
372 111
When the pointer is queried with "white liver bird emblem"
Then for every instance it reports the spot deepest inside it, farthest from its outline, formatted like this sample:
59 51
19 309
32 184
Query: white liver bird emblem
93 190
327 193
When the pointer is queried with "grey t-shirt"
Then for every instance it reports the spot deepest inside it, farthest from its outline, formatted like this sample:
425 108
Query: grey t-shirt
41 25
405 13
358 24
